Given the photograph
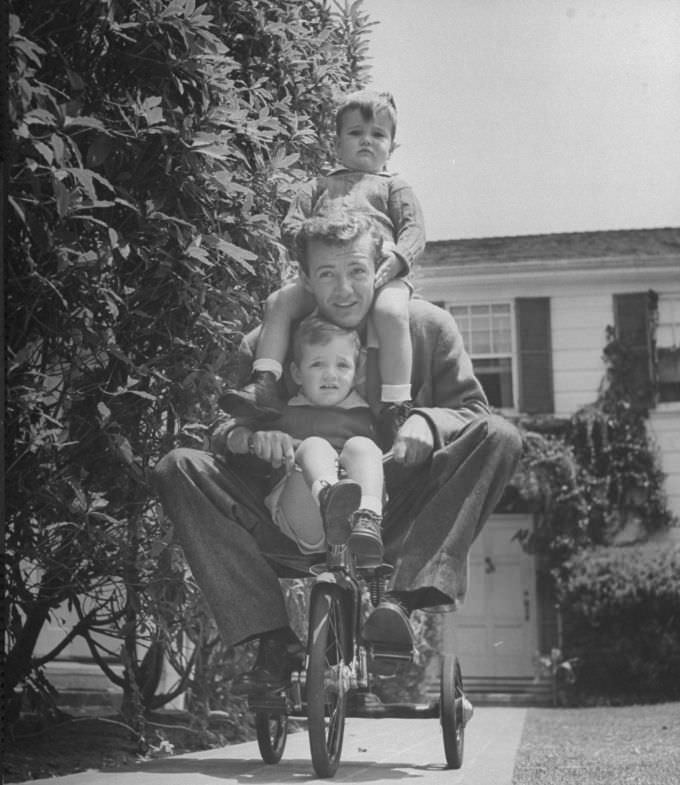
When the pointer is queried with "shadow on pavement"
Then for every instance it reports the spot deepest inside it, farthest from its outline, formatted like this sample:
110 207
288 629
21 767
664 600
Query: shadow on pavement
290 770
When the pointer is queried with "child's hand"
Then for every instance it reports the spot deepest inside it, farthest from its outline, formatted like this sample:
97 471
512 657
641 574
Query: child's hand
390 267
275 447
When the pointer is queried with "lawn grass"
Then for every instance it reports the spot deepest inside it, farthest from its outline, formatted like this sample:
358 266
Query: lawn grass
604 745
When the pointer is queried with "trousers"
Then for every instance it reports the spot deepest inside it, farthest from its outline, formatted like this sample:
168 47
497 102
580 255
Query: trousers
237 555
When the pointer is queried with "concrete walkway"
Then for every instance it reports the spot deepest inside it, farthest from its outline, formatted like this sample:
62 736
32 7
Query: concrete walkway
375 751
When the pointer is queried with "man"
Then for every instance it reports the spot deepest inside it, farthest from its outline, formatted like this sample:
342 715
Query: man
452 460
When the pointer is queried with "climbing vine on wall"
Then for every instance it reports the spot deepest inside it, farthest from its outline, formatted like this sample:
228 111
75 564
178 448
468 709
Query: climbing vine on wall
600 474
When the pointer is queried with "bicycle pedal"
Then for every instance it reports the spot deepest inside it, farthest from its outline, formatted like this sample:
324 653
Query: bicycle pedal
270 702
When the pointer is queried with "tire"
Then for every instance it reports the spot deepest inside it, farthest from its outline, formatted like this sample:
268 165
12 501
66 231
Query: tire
272 732
326 680
451 711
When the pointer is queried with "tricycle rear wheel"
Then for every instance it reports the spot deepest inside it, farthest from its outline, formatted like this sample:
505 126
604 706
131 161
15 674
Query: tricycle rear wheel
451 711
272 732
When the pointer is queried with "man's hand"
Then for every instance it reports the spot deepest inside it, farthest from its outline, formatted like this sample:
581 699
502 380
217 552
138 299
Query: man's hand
390 267
414 442
275 447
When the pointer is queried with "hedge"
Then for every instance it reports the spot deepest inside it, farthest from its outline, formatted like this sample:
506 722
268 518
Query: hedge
621 614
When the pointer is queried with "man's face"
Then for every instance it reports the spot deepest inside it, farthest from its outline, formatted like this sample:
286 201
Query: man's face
341 278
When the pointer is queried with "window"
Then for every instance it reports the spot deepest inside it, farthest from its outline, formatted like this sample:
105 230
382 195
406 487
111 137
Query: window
668 348
487 333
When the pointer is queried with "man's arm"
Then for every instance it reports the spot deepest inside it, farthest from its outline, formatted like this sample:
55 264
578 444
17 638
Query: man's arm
444 382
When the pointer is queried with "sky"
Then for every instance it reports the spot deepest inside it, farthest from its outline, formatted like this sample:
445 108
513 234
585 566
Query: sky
534 116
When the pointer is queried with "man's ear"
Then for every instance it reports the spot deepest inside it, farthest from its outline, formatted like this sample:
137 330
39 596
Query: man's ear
295 373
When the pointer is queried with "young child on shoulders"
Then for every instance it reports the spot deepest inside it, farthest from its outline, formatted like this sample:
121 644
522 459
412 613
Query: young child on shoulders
325 429
365 124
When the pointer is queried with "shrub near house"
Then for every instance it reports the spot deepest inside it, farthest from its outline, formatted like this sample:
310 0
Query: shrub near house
622 621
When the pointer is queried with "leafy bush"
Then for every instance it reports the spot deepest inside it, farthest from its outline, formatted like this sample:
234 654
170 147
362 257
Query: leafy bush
621 611
155 145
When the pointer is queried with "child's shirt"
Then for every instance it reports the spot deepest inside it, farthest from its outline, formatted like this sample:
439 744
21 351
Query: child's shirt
301 419
386 198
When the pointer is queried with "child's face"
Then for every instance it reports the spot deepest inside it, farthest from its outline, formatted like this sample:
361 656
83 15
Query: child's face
364 145
326 372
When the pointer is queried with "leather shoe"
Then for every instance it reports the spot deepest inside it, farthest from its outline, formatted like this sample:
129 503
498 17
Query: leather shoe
259 399
388 629
337 502
365 541
275 662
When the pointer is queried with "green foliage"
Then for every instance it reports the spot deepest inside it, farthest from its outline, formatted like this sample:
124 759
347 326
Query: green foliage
155 146
621 610
597 477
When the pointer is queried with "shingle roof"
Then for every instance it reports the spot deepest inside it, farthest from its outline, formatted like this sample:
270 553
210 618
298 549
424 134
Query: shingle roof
542 247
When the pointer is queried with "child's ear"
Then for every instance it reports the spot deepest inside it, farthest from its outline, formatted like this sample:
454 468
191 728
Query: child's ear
295 373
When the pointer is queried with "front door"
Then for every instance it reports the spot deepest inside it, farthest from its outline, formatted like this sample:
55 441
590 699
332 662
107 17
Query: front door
494 632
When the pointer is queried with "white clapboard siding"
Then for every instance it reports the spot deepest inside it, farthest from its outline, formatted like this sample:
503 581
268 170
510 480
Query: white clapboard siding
664 425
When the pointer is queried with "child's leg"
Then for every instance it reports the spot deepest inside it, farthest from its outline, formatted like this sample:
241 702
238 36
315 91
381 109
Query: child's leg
283 307
337 499
395 353
361 458
260 397
319 463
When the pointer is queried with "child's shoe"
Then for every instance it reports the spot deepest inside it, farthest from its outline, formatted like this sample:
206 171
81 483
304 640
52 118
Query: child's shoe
390 419
365 541
337 502
258 399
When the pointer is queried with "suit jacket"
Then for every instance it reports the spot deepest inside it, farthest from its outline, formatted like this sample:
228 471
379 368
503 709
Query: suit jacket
445 390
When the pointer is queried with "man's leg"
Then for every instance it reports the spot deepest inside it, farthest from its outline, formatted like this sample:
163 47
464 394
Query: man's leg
435 513
225 532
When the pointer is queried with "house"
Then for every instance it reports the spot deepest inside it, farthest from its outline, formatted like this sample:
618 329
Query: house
533 311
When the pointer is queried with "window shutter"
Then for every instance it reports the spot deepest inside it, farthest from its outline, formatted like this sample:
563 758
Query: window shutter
633 328
535 355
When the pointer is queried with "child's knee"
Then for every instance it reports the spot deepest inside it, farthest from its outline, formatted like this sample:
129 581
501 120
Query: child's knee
313 444
289 302
390 306
361 446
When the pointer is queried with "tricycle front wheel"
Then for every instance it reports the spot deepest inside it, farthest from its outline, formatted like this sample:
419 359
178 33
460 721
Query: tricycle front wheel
326 687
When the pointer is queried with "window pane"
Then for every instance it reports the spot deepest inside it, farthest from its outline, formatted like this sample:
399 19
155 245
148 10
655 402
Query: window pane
668 371
495 376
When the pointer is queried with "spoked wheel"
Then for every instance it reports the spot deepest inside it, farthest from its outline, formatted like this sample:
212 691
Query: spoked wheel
326 680
272 732
451 711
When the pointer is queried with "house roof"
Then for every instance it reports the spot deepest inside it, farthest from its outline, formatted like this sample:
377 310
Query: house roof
630 243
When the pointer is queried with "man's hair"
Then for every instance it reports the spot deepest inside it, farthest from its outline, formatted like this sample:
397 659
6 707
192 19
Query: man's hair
314 330
339 228
369 103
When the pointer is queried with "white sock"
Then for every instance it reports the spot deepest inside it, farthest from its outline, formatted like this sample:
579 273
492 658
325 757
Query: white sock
273 366
395 393
319 485
372 503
